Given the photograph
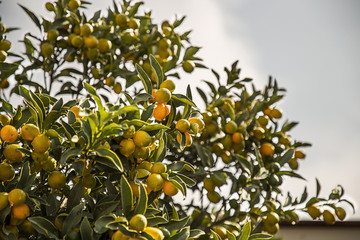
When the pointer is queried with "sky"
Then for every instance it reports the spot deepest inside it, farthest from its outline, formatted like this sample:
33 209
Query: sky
312 49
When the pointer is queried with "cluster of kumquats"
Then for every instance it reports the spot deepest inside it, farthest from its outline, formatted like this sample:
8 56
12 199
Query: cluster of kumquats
105 47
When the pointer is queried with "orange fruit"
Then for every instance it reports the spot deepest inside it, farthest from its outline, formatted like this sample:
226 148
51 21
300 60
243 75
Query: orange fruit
275 113
52 35
314 211
183 125
213 197
9 133
164 43
168 84
20 211
163 95
199 122
121 20
104 45
267 149
77 41
142 152
91 41
127 147
158 167
272 218
17 197
10 152
188 140
208 184
145 165
47 49
230 127
117 88
263 120
132 23
161 111
329 217
170 189
110 81
41 143
57 180
138 222
74 4
237 138
49 164
156 233
118 235
29 131
267 111
221 231
300 154
5 119
142 139
135 188
86 29
7 172
3 200
340 213
155 182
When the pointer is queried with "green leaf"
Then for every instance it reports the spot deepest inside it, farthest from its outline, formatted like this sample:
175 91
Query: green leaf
32 16
190 52
153 221
182 234
190 182
215 235
26 179
73 218
205 155
245 163
154 127
113 159
70 152
318 187
245 233
142 97
142 202
105 208
230 235
177 224
155 66
126 109
260 236
184 99
75 195
44 226
126 195
161 150
91 90
286 157
100 224
144 78
195 233
291 174
86 230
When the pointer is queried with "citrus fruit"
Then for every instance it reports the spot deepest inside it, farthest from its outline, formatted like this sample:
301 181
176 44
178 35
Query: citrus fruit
104 45
314 211
52 35
263 120
272 218
226 157
16 197
340 213
161 111
86 29
89 181
27 228
211 128
163 95
145 165
49 6
293 164
170 189
138 222
188 139
275 113
5 119
132 23
74 4
91 41
20 211
329 217
156 233
57 180
164 43
259 132
267 149
12 154
142 139
213 197
49 164
5 45
237 138
40 157
77 41
209 185
300 154
158 167
3 55
110 81
199 122
47 49
118 235
183 125
155 182
3 200
217 148
41 143
230 127
127 147
271 228
117 88
121 20
135 188
29 131
142 152
168 84
267 111
221 231
7 172
92 53
9 133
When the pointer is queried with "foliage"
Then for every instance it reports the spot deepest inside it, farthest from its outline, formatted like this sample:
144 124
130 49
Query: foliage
99 167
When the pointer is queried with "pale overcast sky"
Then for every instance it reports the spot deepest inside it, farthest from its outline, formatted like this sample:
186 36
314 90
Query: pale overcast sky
311 47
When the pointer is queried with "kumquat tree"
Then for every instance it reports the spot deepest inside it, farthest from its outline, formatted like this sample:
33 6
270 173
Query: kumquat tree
103 146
